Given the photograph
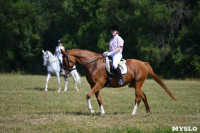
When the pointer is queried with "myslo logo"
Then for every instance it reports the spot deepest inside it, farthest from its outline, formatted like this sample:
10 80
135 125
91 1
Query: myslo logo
184 128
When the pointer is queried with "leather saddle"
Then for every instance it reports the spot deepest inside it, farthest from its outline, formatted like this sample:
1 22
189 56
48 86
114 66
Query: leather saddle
110 68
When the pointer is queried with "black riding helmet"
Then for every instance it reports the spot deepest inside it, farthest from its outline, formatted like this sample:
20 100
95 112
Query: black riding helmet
59 41
114 27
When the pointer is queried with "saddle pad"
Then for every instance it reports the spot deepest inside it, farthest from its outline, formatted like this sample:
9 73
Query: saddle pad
122 66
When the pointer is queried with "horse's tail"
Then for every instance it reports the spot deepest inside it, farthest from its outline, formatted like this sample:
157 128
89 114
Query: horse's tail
159 81
76 75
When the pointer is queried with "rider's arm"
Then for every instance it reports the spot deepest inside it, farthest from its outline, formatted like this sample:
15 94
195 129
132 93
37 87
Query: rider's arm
117 49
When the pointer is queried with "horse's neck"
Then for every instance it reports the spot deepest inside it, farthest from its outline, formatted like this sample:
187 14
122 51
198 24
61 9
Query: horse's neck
84 56
51 57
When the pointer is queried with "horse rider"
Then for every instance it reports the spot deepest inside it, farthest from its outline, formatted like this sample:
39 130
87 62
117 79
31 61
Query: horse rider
115 51
59 55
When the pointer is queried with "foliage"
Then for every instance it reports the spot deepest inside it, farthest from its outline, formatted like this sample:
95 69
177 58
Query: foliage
164 33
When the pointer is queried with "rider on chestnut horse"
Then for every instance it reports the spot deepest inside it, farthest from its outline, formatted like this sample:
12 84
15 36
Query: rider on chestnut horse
115 51
97 76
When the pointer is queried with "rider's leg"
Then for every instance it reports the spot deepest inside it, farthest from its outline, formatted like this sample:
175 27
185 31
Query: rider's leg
116 59
61 66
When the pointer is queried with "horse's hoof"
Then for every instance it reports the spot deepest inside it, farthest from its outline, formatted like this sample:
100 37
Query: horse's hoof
103 113
148 111
92 111
132 114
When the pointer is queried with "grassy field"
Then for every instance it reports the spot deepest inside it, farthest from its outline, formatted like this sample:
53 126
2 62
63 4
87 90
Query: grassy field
25 107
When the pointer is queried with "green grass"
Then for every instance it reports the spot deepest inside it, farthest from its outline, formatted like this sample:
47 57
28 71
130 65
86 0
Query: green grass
25 107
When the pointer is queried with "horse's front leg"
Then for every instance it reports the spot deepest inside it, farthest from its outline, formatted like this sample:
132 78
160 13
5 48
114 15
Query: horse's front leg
96 88
47 80
58 80
65 83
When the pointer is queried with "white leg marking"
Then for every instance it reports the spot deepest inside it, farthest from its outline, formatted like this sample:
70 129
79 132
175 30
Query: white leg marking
102 110
47 80
134 110
90 106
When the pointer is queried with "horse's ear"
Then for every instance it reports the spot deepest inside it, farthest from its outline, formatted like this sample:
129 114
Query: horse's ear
43 51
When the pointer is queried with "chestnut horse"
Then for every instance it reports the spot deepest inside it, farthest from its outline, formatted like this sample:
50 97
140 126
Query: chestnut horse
96 74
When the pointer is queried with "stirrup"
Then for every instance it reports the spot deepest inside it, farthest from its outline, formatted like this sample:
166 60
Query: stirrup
121 81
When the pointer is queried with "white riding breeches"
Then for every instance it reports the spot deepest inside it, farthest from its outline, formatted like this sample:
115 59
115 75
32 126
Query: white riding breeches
116 59
61 59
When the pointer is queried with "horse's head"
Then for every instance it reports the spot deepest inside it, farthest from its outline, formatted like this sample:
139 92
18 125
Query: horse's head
68 62
45 57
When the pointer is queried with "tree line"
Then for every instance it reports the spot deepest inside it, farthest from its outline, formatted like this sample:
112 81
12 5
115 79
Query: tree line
165 33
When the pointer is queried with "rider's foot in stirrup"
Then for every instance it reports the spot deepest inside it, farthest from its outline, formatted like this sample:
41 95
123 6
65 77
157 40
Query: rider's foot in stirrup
121 81
62 72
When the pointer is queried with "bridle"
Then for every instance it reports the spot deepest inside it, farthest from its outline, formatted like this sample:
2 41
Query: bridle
69 60
47 59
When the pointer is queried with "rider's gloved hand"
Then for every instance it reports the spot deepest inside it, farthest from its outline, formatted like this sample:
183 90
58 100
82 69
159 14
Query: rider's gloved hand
109 53
105 53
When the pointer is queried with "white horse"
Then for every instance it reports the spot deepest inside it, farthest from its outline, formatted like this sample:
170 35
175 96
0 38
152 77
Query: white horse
53 67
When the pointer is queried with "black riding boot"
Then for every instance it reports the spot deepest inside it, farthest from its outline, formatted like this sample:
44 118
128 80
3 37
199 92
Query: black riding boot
119 75
60 63
62 71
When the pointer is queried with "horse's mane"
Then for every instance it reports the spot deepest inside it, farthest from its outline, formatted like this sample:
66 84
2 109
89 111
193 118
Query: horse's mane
51 55
82 52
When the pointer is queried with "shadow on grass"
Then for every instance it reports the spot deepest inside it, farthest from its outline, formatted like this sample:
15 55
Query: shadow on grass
49 113
68 113
118 113
82 113
41 89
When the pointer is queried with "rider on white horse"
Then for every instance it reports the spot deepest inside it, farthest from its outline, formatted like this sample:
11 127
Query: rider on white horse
58 54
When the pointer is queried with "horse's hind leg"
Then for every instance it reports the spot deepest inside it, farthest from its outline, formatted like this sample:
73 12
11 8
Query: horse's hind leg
58 80
144 99
75 84
139 94
47 80
97 94
65 83
75 79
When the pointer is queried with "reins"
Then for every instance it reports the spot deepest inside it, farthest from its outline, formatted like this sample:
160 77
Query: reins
68 60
